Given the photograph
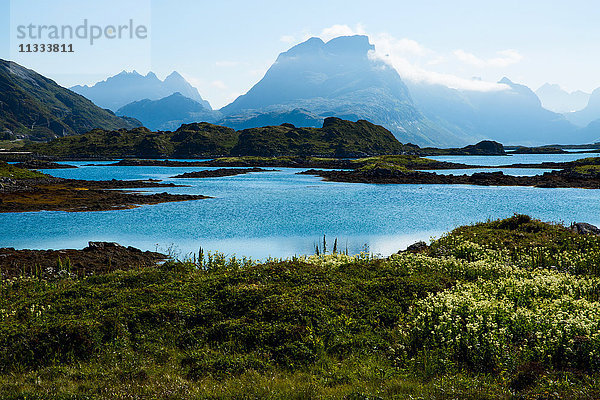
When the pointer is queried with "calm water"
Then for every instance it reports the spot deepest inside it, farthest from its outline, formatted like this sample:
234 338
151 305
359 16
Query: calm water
281 214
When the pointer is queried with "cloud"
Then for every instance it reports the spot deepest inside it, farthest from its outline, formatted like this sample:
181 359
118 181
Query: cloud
219 84
399 46
504 59
415 73
341 30
408 56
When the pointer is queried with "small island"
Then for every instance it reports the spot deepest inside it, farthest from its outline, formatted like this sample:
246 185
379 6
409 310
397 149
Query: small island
221 172
24 190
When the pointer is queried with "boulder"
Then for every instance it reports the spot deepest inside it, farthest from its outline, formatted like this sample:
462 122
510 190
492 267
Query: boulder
585 229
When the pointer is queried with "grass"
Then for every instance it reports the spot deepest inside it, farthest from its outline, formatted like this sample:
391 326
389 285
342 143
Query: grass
10 171
473 316
11 144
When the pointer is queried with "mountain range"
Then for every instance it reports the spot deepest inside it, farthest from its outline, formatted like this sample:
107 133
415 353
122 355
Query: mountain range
35 107
589 114
510 115
555 98
341 78
126 87
314 80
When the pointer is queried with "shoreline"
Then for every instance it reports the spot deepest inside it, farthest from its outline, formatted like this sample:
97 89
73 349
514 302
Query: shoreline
57 194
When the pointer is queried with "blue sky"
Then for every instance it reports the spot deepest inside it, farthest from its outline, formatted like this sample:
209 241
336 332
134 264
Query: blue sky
225 47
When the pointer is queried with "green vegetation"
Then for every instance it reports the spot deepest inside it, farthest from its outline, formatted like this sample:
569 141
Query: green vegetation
35 107
11 144
504 309
10 171
337 138
397 162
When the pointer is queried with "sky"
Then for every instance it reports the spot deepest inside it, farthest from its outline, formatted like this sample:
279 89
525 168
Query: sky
225 47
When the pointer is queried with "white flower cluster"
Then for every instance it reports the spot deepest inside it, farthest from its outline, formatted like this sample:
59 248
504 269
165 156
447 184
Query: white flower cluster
542 315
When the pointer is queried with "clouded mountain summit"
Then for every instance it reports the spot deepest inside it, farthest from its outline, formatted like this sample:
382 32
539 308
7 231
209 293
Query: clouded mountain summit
317 79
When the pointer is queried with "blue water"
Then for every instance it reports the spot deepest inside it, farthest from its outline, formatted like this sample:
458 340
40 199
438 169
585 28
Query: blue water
280 213
514 158
506 171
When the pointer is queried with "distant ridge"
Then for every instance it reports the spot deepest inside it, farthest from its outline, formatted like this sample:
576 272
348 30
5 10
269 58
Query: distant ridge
126 87
555 98
169 112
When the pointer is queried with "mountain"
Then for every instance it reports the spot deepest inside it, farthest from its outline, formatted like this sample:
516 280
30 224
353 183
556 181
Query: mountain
314 80
511 116
590 113
126 87
35 107
335 138
591 133
168 113
555 98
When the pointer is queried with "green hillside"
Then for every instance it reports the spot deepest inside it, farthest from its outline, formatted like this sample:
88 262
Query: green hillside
35 107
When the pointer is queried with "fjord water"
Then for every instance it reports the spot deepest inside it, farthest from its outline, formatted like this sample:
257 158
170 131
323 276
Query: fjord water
280 213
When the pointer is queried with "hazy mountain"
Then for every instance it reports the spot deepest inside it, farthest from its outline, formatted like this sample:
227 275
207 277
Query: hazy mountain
511 116
314 80
126 87
555 98
590 113
169 112
591 133
34 106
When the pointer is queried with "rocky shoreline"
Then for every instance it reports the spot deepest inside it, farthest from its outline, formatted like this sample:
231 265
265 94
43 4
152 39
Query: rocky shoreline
97 257
278 162
57 194
554 179
221 172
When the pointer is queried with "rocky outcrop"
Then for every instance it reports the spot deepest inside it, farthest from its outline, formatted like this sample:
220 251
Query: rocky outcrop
584 228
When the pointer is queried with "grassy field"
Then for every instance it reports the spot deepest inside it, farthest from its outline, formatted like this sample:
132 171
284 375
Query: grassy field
502 309
12 172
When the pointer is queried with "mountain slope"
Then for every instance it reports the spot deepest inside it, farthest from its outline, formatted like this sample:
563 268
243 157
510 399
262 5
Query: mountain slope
590 113
126 87
35 107
169 112
511 116
555 98
340 79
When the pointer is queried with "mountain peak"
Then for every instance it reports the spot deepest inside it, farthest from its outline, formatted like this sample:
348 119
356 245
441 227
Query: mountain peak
506 81
309 46
349 44
126 87
174 76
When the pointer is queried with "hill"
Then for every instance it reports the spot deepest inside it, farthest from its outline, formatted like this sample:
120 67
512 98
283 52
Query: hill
337 137
169 112
35 107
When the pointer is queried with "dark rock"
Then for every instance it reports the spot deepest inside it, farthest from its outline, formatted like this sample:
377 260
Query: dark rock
585 229
417 247
102 245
